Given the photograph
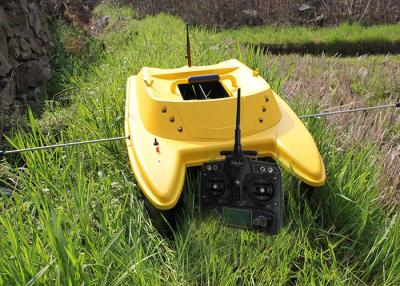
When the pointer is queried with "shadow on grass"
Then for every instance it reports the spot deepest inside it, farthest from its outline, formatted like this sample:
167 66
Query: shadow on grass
345 48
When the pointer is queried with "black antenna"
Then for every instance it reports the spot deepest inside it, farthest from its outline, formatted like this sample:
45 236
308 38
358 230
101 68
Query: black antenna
188 54
237 149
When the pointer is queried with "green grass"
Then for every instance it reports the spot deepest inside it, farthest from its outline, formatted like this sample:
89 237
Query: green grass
343 32
345 39
77 216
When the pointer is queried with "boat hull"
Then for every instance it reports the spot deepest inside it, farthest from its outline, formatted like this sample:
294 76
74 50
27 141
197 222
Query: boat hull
160 169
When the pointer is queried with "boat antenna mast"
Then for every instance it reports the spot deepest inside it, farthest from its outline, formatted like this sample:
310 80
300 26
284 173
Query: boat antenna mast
188 55
237 148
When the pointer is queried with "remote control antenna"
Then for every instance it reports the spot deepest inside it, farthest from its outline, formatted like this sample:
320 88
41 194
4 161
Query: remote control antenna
188 54
237 149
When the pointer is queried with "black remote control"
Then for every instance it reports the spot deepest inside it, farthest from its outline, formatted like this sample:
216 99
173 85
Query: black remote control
242 190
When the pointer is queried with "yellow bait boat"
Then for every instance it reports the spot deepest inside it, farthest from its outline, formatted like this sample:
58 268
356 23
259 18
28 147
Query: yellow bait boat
179 118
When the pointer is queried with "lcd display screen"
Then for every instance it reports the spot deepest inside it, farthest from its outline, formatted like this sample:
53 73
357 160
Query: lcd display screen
237 217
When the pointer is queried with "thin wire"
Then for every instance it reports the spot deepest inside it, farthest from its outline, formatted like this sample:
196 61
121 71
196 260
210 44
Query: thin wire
349 110
2 153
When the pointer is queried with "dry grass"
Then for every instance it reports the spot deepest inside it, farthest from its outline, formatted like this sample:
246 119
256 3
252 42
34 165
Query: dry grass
352 82
77 12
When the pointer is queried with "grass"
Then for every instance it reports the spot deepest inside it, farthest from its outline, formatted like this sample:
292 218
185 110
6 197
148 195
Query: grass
76 216
345 39
342 32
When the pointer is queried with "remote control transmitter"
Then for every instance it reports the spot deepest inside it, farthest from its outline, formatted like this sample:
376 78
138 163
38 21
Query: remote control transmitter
241 190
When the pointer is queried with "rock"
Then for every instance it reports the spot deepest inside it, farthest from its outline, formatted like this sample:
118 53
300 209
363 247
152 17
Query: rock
24 62
3 83
17 21
319 18
7 95
33 44
304 7
45 63
44 33
5 66
24 6
29 75
10 5
252 13
25 49
33 18
35 94
100 24
3 19
13 49
3 43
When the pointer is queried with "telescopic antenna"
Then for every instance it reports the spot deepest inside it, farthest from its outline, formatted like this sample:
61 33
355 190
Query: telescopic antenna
188 54
237 149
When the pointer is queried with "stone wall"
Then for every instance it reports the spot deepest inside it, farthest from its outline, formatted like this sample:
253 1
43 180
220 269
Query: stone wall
24 59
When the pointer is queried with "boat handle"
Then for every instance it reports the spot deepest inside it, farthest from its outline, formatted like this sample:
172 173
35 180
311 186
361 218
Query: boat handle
203 78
